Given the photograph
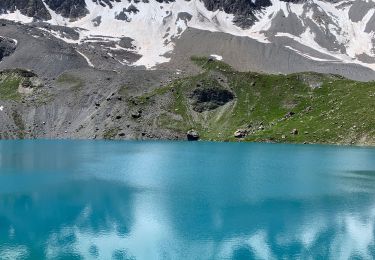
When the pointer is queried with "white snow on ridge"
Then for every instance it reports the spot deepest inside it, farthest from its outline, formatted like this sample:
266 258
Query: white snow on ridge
153 28
353 34
350 34
156 25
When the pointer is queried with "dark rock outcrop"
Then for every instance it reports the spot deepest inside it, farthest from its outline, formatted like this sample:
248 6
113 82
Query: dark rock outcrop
192 135
7 47
31 8
244 10
205 99
294 131
136 114
20 72
35 8
289 114
240 133
68 8
123 14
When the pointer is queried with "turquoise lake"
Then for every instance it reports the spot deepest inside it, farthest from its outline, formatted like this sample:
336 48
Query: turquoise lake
179 200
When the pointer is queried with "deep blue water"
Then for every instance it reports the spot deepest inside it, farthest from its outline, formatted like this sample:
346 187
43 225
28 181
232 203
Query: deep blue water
177 200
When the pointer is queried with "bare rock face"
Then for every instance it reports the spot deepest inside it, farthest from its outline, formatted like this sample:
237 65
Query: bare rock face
243 10
240 133
68 8
192 135
7 47
36 9
20 72
205 99
31 8
294 131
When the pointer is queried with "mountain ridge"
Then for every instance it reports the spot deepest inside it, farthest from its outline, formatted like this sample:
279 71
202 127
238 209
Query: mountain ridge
339 32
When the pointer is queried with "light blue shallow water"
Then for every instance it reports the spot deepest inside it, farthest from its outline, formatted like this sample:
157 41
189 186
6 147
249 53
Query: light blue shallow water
176 200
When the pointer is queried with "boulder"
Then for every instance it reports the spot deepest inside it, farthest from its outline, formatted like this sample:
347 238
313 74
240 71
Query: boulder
240 133
289 114
136 114
192 135
7 47
294 131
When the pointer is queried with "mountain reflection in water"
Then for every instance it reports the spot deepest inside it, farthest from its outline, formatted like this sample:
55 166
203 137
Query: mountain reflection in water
176 200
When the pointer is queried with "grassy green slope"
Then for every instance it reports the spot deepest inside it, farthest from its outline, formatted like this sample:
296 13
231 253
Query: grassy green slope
12 79
9 83
328 108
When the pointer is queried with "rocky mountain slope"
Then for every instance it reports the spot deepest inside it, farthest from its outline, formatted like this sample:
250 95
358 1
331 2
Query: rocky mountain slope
123 70
218 103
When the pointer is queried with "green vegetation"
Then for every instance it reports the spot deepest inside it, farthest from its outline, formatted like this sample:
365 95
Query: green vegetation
17 118
12 79
208 64
301 107
9 83
141 100
110 133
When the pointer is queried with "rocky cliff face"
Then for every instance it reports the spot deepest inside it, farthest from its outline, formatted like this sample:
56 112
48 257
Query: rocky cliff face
38 10
244 10
7 47
31 8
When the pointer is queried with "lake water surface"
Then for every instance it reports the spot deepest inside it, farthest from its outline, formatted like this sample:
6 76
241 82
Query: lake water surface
177 200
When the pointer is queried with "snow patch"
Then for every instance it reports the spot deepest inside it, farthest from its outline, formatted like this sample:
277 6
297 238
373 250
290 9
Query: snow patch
16 16
216 57
86 58
309 56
